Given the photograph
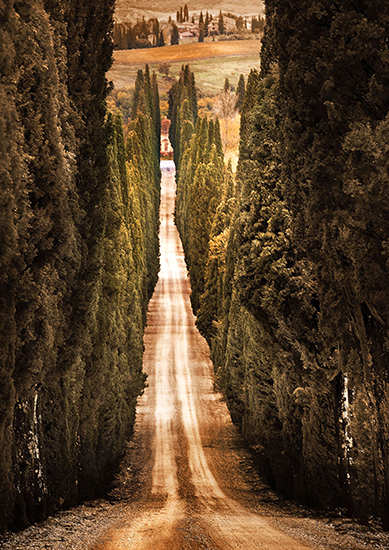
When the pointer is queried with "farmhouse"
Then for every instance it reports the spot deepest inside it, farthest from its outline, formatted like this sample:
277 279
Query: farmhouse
188 30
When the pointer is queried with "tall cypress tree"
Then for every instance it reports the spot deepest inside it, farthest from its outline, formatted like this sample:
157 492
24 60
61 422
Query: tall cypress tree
77 270
342 51
240 92
174 35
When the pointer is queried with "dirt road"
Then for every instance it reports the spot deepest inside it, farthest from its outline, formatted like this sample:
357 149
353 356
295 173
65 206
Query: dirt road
184 506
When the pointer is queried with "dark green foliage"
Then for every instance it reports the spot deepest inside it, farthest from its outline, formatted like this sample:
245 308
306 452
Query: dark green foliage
206 23
220 23
200 174
128 37
297 278
211 308
52 257
174 35
183 89
161 40
333 88
240 93
15 214
257 24
136 95
79 257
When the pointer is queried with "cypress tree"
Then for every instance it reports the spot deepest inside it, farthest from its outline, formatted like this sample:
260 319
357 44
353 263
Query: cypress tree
342 108
206 23
199 177
174 35
74 288
240 92
161 40
15 216
220 23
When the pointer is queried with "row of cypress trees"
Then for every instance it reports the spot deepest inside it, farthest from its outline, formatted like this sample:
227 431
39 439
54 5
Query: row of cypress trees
298 260
202 180
78 253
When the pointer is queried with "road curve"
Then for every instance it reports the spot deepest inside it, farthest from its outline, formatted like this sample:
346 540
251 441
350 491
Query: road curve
185 503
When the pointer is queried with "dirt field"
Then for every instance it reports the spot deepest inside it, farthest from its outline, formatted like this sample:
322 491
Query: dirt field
186 52
210 62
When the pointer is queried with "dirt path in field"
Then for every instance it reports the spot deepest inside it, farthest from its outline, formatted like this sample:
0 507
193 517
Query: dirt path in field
186 507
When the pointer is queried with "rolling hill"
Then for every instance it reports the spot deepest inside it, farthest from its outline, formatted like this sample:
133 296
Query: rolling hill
132 9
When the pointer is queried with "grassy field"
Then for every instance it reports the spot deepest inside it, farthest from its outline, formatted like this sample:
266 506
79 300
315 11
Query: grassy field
211 62
130 10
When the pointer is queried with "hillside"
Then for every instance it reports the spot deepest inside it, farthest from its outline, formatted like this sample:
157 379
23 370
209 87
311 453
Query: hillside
211 62
131 10
186 52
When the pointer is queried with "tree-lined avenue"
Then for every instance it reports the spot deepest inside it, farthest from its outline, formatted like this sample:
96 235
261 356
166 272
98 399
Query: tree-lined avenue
181 414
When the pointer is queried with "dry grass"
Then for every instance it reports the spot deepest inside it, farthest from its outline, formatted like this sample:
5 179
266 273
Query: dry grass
211 63
230 137
210 73
186 52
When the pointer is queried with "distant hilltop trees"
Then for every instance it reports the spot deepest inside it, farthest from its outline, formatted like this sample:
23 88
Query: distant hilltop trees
182 14
152 33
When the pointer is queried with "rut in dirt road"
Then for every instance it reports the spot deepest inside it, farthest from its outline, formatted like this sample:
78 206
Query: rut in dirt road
184 507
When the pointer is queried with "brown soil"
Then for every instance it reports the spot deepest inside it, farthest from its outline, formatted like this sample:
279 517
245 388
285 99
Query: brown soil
186 52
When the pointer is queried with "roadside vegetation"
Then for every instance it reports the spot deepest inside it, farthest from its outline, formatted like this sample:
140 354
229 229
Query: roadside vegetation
79 257
126 11
294 297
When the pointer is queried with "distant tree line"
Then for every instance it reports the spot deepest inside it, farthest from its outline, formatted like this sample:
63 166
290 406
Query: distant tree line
151 33
257 24
295 301
182 14
79 256
144 34
204 24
